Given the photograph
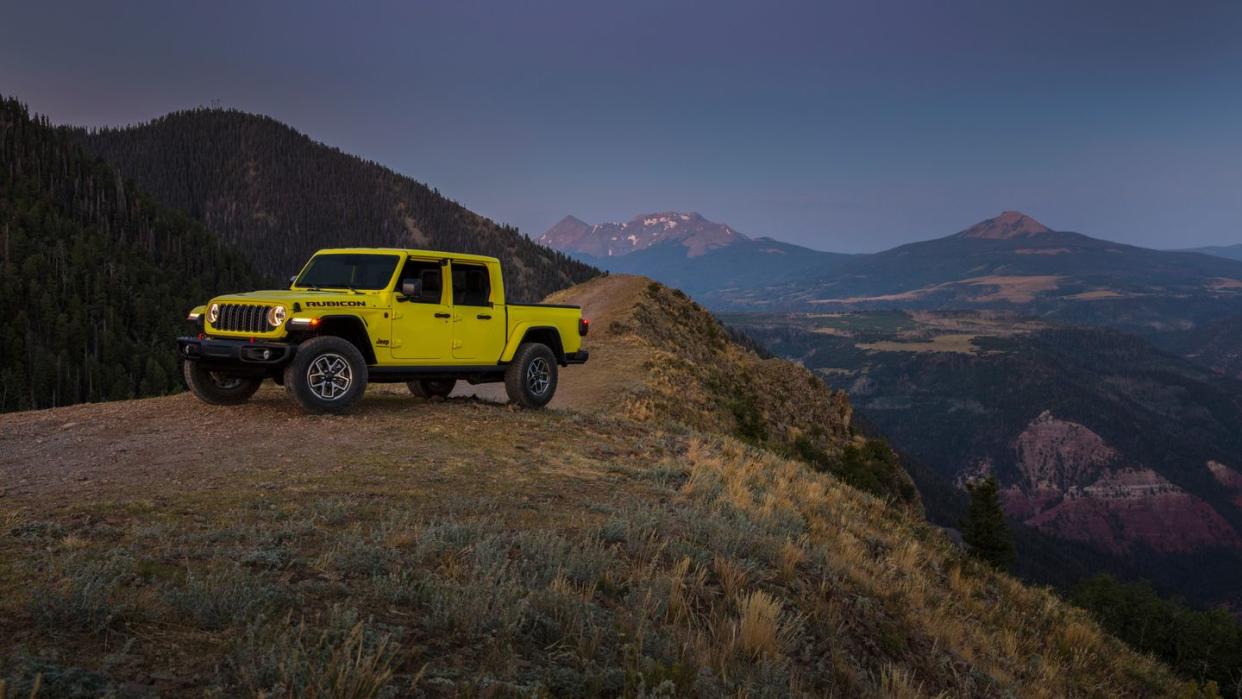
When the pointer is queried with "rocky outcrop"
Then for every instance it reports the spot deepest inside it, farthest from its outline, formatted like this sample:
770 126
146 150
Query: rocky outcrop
1130 507
1071 485
1057 454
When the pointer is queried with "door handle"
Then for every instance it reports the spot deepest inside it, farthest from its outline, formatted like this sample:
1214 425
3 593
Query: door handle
443 315
483 316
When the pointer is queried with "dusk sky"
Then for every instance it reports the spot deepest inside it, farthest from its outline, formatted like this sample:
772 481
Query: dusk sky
843 126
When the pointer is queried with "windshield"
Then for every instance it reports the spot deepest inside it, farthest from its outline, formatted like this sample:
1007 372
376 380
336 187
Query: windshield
348 271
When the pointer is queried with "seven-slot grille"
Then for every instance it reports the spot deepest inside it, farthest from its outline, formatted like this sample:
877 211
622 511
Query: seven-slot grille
240 317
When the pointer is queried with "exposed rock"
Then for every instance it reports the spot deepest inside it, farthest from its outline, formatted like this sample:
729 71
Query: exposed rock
1072 487
1057 454
1007 226
1136 506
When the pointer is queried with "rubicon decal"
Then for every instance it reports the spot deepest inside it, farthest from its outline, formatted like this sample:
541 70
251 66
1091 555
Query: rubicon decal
323 304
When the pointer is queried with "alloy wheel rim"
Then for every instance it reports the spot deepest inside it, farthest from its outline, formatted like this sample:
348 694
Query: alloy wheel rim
226 383
538 376
329 376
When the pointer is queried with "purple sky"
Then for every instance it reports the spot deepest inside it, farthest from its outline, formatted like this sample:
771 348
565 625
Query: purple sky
843 126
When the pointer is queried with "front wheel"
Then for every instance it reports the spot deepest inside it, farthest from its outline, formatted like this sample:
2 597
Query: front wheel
431 388
216 388
327 375
530 379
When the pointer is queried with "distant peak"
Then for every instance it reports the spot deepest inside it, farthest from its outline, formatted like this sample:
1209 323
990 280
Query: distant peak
1010 224
568 229
695 233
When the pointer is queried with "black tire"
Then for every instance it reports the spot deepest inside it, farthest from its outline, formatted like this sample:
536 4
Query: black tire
432 388
530 379
327 375
216 388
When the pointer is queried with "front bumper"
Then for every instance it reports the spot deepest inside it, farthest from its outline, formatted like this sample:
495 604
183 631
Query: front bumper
221 351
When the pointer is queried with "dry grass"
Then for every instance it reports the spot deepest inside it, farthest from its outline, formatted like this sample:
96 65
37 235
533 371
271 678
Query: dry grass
1014 288
761 630
955 343
748 575
9 519
944 605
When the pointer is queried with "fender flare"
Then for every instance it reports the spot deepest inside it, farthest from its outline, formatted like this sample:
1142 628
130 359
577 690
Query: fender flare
520 333
361 337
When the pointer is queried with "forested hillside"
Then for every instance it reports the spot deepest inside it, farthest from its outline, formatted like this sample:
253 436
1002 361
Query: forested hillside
95 276
278 196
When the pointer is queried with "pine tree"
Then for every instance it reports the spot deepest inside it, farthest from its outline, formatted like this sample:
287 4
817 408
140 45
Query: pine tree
984 528
95 277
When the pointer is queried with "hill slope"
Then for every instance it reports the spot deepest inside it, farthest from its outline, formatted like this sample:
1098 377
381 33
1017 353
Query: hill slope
278 196
657 355
95 276
459 547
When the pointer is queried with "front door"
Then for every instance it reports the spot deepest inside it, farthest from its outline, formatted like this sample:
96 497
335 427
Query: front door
477 328
421 325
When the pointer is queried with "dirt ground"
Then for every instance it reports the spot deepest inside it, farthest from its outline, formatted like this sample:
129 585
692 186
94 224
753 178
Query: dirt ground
166 449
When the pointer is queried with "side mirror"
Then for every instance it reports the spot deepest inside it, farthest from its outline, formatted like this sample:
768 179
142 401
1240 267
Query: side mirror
412 288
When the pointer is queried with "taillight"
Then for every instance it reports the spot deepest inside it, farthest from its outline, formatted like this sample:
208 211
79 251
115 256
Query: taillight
584 326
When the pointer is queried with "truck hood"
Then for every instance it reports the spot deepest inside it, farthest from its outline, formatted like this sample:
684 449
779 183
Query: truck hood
305 298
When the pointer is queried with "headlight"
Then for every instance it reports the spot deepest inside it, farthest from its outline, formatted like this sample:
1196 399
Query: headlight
276 316
213 313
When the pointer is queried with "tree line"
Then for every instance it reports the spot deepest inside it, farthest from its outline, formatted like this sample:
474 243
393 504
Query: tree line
95 276
278 196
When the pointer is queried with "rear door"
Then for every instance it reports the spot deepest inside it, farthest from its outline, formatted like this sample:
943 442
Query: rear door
478 329
421 325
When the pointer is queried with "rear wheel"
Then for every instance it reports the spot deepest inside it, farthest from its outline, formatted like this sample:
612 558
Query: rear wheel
327 375
217 388
530 379
432 388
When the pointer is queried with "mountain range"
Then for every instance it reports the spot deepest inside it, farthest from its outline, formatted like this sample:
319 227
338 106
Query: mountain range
1009 261
689 252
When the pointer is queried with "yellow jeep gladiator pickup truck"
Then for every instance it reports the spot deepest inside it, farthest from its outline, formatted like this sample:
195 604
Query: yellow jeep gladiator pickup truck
376 315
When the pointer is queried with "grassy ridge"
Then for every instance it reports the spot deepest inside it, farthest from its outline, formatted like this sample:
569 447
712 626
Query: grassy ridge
617 562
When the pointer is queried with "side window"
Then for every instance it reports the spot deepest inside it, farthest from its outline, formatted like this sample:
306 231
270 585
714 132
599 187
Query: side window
431 276
471 285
